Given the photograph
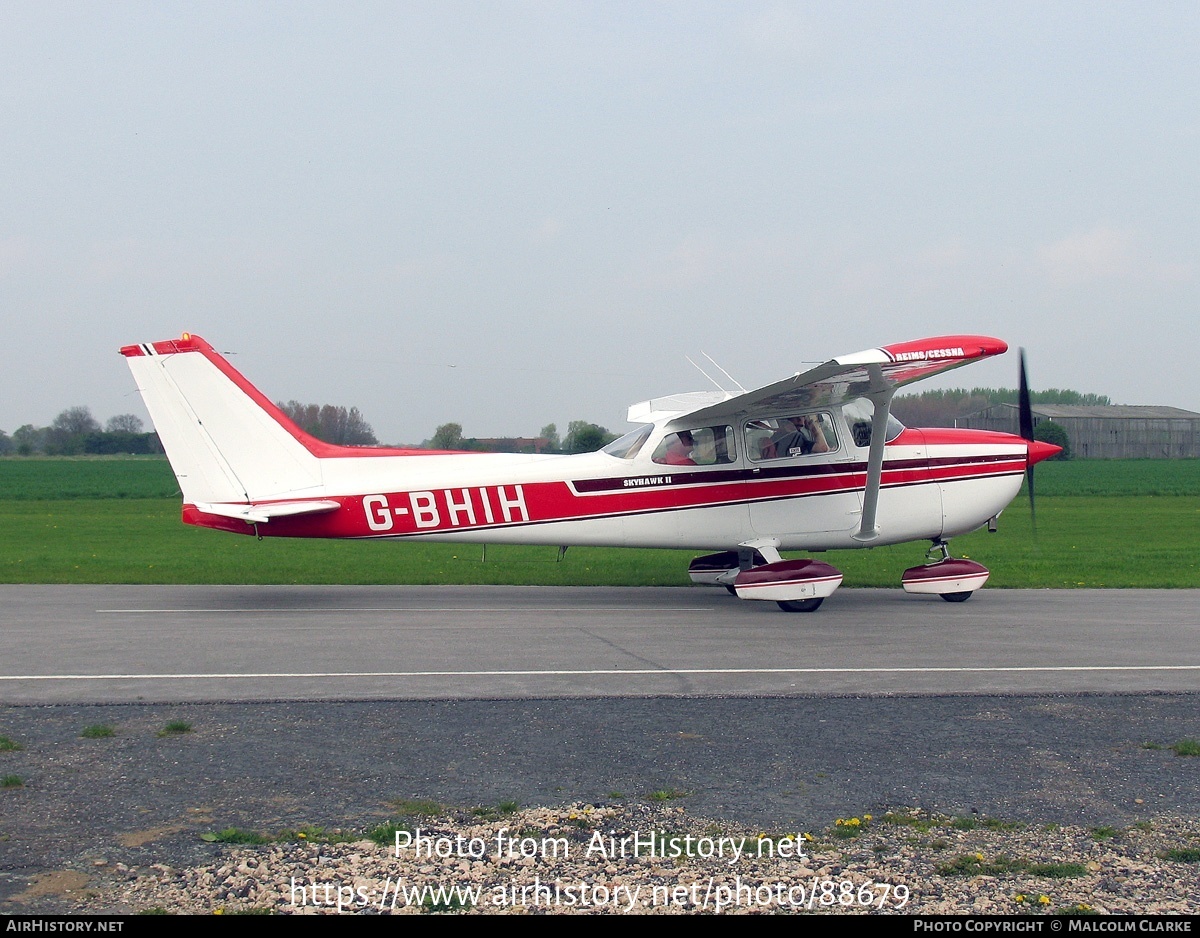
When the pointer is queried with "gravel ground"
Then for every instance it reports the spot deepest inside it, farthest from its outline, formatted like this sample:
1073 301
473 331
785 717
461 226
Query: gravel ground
584 858
947 804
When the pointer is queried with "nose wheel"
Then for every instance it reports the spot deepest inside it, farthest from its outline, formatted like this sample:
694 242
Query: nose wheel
952 579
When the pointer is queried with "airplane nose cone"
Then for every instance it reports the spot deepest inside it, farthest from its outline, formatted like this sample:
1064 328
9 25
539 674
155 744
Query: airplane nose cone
1039 451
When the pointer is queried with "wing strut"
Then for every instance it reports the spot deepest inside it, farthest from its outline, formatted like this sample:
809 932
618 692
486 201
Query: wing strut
880 394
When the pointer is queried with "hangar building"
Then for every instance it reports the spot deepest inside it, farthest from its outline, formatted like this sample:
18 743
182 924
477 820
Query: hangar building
1114 432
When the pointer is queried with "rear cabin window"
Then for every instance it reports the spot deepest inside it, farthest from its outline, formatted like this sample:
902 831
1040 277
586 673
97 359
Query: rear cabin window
791 436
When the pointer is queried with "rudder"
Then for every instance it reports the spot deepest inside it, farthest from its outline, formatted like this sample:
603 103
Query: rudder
225 440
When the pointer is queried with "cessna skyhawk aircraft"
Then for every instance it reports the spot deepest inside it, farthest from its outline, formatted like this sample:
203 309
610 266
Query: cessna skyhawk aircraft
811 463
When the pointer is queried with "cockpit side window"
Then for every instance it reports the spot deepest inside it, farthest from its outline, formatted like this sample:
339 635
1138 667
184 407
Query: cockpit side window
702 446
790 436
858 414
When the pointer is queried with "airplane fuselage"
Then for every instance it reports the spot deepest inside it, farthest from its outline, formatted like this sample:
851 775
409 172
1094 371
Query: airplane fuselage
936 484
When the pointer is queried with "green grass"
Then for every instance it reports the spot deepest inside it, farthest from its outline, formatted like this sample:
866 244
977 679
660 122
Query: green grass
98 731
1104 542
11 781
175 728
493 812
236 835
9 745
315 834
1114 539
418 807
385 834
1079 908
975 864
1183 855
1186 747
1121 477
849 828
454 904
88 477
924 824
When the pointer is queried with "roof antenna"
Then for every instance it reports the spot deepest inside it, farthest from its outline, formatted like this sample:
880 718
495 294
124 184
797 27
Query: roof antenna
706 374
724 372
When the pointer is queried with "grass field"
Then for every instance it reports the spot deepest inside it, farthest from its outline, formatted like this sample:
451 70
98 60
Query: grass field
1121 477
90 477
1100 524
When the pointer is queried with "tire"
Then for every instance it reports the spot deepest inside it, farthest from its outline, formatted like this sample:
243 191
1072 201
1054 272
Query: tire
956 597
802 605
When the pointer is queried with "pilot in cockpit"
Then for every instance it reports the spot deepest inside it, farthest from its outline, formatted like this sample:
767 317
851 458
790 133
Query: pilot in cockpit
805 436
679 449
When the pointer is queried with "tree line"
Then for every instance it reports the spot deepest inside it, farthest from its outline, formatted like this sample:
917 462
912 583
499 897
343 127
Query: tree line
331 423
75 432
582 437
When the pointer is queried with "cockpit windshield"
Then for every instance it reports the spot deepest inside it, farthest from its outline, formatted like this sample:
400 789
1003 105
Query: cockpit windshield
628 446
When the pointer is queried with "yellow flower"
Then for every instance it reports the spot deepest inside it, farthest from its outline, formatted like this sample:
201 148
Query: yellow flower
1043 900
1020 897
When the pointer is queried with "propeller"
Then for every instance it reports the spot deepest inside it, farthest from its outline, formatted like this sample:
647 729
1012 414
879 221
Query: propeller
1025 412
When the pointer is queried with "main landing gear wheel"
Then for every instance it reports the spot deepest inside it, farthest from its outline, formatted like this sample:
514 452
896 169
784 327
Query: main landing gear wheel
957 597
802 605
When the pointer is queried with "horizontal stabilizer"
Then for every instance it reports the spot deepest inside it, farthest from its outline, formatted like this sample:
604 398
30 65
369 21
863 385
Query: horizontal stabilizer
261 514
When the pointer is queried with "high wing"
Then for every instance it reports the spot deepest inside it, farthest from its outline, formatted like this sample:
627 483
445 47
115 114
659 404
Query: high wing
875 375
869 374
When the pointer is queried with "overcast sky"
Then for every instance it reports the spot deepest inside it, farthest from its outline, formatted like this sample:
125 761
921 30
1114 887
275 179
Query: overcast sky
511 214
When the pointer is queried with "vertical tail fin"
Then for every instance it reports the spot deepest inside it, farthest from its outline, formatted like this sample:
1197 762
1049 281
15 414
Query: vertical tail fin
225 440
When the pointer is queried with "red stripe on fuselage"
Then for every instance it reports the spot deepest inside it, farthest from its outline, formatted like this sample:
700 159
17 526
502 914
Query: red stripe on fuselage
472 508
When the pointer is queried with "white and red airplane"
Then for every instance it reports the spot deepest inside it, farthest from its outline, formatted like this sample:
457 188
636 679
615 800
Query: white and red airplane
814 462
